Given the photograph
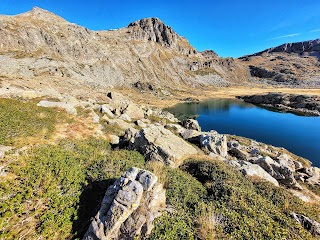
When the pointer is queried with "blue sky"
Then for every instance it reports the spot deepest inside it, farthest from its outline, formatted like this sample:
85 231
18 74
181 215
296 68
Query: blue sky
231 28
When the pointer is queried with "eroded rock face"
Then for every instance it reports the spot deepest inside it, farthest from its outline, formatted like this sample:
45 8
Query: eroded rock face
129 207
307 223
158 143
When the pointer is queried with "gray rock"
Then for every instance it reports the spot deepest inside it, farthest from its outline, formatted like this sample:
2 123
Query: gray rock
134 111
129 207
114 139
307 223
129 134
215 143
238 154
233 144
249 169
121 123
191 135
141 124
279 171
104 109
192 124
158 143
125 117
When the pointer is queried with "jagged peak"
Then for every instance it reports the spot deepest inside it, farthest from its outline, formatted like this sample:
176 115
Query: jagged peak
154 29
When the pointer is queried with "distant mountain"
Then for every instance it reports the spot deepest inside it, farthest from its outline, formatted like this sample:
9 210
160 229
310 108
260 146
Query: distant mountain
290 63
44 47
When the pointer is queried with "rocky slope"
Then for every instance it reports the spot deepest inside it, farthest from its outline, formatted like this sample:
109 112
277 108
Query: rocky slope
291 64
42 46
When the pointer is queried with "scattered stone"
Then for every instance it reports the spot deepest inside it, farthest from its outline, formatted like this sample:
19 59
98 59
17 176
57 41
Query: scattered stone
158 143
129 207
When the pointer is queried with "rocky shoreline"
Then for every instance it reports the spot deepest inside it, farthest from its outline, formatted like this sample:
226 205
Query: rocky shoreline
305 105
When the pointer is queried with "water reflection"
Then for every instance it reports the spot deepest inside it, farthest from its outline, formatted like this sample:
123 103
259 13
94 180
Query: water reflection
298 134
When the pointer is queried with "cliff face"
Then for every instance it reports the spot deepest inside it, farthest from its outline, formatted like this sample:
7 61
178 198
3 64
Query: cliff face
41 45
291 63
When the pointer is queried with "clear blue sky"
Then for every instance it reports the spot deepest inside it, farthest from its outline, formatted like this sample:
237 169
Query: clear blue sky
231 28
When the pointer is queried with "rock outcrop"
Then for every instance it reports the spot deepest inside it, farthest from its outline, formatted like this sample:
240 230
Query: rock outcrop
129 207
191 124
157 143
279 170
214 143
296 103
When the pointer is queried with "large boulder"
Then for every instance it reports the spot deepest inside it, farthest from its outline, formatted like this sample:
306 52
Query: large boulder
129 207
214 142
307 223
134 111
158 143
279 171
191 124
254 170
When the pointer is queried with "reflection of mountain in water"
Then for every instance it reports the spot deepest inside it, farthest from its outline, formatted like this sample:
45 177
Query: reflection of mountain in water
209 106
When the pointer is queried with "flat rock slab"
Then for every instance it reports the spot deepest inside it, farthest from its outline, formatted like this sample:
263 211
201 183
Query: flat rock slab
158 143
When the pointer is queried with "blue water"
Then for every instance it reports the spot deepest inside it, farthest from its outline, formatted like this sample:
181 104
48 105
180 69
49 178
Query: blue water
298 134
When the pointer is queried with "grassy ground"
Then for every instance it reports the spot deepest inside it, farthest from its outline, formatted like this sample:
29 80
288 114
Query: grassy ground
20 121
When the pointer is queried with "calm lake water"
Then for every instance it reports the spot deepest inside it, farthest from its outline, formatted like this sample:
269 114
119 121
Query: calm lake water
298 134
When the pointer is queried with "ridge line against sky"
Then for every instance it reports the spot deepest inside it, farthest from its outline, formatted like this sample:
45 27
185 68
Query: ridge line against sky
230 28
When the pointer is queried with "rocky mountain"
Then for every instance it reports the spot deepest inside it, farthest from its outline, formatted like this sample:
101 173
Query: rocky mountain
288 64
42 46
